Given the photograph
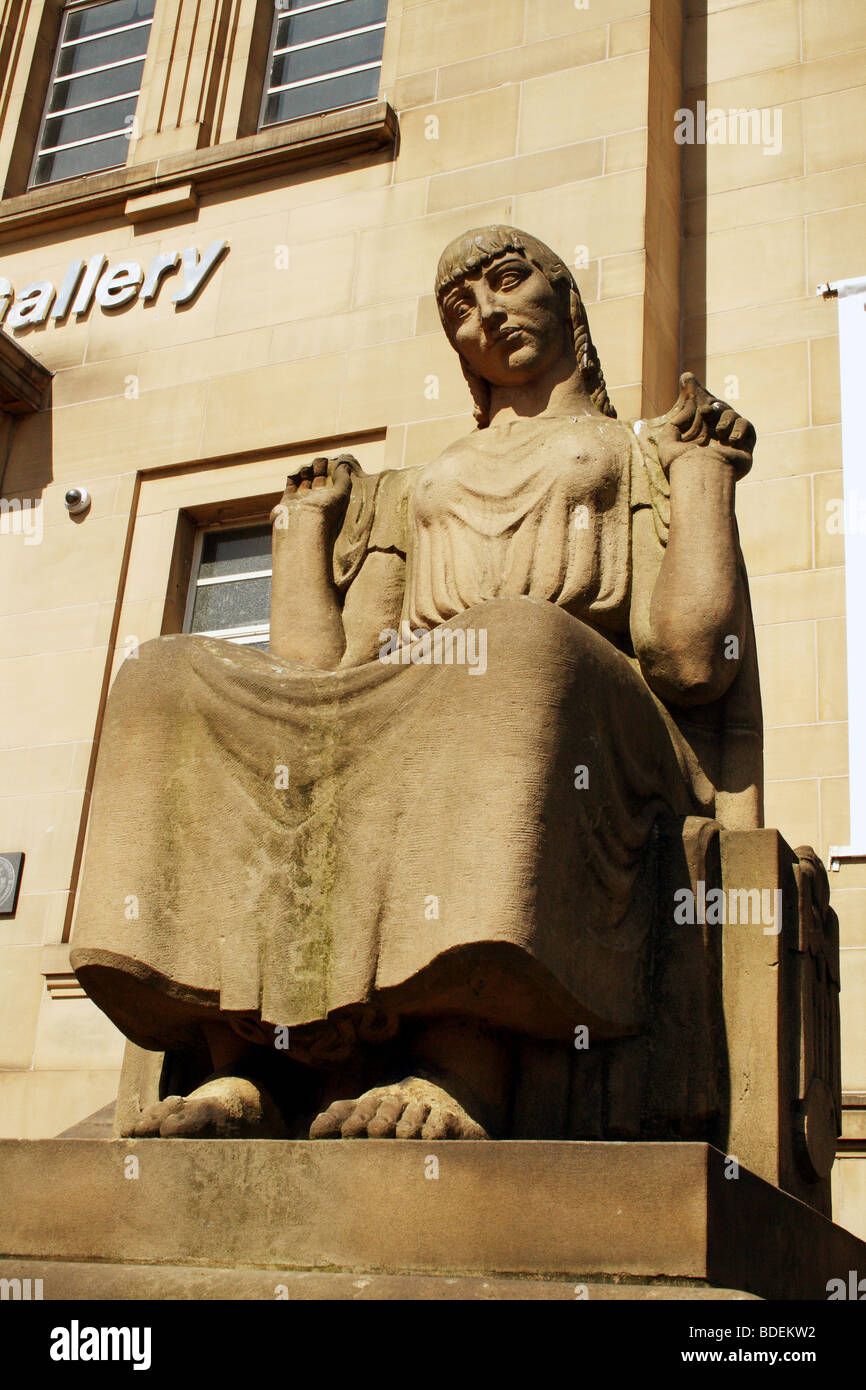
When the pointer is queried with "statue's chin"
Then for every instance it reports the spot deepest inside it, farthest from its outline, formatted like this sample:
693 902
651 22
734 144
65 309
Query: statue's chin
517 361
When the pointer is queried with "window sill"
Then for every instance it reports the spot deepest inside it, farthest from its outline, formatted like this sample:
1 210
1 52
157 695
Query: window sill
139 191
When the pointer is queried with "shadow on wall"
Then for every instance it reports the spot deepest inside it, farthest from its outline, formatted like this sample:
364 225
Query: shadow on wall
694 259
26 452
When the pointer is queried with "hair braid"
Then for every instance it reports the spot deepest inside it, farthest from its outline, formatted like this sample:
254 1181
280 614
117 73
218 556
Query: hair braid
587 357
480 390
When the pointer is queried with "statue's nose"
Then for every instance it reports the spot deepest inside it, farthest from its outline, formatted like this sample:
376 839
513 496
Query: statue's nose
491 310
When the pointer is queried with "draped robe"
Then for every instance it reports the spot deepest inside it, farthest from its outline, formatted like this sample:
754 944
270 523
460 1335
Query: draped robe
286 846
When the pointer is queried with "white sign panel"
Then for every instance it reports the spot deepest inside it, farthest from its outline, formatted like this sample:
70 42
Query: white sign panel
852 366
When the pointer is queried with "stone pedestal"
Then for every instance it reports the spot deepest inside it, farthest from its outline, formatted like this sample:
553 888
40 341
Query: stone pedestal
264 1219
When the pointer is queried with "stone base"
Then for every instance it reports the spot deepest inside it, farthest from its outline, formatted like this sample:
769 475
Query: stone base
367 1218
67 1280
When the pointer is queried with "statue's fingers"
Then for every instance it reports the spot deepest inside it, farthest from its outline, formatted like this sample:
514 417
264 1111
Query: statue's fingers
742 434
683 409
689 385
726 422
704 423
329 1124
384 1122
341 467
304 477
695 431
320 471
341 473
702 396
411 1125
683 419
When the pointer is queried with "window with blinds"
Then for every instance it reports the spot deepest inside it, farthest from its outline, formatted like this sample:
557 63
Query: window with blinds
324 54
230 594
94 89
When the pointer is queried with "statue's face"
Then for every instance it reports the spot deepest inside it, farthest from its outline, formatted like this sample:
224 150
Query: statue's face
507 321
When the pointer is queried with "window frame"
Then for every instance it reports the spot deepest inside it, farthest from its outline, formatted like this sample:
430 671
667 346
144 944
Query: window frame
72 6
252 632
273 52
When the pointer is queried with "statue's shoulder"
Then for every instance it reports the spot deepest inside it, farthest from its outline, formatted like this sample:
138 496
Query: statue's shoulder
376 518
649 486
382 511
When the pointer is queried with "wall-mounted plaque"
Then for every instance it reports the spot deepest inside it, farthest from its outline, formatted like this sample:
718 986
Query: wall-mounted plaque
10 881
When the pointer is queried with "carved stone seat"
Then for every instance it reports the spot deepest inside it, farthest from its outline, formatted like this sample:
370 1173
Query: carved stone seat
744 1049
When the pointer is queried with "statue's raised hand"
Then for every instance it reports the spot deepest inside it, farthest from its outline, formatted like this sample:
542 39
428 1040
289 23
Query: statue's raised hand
701 425
320 488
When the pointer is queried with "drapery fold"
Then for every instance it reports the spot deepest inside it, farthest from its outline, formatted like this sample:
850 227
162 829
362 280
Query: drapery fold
284 844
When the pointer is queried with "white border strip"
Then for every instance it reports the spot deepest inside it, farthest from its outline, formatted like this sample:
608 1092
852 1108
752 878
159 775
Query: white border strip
852 371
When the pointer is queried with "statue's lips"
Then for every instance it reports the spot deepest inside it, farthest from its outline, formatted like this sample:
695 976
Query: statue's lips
510 335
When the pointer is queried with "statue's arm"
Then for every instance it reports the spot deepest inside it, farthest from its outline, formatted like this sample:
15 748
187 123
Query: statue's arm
312 621
306 611
374 602
689 613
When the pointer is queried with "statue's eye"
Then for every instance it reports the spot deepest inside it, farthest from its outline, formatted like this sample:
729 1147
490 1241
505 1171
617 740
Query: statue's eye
509 279
459 308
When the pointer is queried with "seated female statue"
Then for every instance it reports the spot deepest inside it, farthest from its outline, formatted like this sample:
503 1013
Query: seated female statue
419 828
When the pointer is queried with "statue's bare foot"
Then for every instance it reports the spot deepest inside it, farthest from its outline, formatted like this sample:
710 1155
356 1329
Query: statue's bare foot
224 1107
415 1108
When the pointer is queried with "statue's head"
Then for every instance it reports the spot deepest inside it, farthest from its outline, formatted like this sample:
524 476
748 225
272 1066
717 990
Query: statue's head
511 308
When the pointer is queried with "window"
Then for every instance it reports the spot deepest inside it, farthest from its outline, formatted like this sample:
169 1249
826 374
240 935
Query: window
324 54
230 596
94 90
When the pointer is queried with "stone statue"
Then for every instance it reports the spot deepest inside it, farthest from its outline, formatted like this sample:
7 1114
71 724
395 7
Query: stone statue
379 869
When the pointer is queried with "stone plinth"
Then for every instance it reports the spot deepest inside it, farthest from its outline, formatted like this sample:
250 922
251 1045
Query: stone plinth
626 1219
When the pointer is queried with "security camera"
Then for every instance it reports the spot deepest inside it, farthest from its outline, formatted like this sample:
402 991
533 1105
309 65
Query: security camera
77 500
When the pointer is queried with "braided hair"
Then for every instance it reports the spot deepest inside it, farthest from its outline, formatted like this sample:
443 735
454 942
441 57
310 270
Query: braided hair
473 251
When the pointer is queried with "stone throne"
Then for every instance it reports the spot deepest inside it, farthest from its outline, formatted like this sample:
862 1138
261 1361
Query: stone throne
742 1049
766 1004
712 990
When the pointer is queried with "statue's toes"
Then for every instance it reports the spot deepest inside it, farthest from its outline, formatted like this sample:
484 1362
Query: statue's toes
444 1123
441 1124
195 1119
384 1122
355 1127
206 1117
148 1124
411 1123
329 1125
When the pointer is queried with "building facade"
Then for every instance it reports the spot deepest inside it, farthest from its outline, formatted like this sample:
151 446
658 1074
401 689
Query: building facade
219 227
